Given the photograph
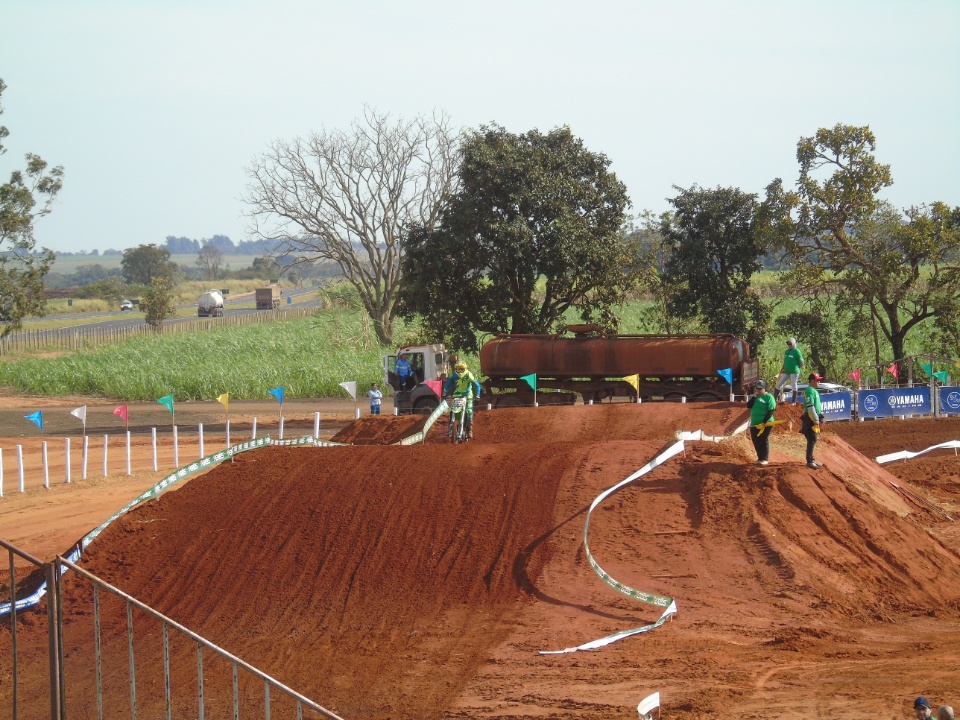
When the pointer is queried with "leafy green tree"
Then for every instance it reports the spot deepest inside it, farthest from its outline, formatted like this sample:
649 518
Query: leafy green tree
345 197
534 231
158 302
716 242
144 263
25 198
904 267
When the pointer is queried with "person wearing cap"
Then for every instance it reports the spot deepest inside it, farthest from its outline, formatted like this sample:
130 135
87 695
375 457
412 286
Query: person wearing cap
923 708
462 383
790 370
945 712
812 420
761 405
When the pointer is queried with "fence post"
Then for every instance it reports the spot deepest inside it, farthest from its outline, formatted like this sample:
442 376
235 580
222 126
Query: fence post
176 449
201 441
129 472
228 433
153 438
316 426
46 469
85 455
105 441
20 464
68 460
254 436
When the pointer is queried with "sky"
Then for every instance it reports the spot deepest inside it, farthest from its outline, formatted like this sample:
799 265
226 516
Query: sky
156 109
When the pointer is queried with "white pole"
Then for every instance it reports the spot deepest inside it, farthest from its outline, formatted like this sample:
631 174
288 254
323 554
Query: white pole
1 472
153 441
129 472
254 436
683 400
85 449
396 410
176 448
489 406
46 470
68 460
20 464
201 441
281 428
316 424
356 413
228 432
104 455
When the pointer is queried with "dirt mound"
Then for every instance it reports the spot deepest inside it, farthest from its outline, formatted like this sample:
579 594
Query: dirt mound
380 429
412 582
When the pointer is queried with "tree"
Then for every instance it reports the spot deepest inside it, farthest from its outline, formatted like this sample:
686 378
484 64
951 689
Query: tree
346 197
716 242
24 199
534 231
903 268
210 261
144 263
158 302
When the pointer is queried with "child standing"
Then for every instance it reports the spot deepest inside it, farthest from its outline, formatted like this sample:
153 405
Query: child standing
375 397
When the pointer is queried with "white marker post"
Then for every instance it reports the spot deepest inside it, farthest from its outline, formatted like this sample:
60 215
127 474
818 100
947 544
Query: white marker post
46 469
254 435
129 471
20 464
153 442
1 472
68 460
84 459
176 448
316 425
105 455
201 441
281 428
228 433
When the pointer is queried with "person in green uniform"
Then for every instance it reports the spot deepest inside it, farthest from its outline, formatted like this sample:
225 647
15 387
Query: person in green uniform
812 419
790 370
761 405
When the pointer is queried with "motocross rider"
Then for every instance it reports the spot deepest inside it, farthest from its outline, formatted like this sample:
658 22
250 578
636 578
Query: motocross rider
462 383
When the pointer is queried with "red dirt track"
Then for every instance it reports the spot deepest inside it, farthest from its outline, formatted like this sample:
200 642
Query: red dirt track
422 581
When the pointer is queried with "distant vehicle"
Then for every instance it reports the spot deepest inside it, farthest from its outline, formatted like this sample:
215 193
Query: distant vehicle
825 388
268 298
210 304
126 305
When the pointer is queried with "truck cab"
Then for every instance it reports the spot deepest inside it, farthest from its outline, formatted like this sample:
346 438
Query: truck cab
428 364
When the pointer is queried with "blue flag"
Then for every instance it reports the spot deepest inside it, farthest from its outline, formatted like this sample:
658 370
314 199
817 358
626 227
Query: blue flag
36 418
277 393
726 374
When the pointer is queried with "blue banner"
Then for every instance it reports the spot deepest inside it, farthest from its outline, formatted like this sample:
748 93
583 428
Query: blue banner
950 400
876 403
837 406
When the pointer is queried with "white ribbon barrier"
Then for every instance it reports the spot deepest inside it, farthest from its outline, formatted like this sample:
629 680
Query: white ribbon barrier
648 598
648 705
906 454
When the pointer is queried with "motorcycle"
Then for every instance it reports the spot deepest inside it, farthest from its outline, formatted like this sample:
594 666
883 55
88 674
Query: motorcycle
458 419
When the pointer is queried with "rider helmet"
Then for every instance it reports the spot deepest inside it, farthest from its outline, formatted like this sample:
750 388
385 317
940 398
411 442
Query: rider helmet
460 366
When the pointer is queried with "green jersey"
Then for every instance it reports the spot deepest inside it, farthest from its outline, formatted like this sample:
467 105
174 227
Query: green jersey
792 361
763 406
811 403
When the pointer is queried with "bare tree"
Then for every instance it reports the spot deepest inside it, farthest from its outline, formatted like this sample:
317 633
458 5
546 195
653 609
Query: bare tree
210 261
347 196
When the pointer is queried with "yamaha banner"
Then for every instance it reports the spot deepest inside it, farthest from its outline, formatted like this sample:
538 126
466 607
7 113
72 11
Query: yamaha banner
837 406
950 400
876 403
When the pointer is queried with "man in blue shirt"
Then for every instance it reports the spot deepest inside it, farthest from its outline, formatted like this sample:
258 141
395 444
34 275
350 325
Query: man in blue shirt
404 372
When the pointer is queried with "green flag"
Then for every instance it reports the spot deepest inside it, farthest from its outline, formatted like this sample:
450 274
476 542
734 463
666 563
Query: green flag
167 402
531 380
941 376
927 368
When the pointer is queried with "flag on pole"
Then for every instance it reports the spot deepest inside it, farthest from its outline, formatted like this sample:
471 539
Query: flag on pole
855 375
277 393
531 380
36 418
167 402
435 385
351 387
81 414
121 412
225 401
634 381
726 374
893 370
941 376
927 368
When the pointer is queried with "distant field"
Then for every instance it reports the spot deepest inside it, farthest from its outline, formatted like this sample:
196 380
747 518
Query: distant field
69 263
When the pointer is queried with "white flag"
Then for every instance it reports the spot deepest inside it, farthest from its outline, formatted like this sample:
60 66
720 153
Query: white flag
351 387
80 413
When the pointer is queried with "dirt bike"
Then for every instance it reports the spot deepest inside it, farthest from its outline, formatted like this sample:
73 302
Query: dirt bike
458 419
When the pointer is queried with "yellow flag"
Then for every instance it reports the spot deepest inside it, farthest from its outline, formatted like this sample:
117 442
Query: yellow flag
634 381
225 400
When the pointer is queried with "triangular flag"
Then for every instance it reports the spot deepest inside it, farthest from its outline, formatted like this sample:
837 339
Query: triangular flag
167 402
726 374
927 368
121 412
893 370
351 387
634 381
435 385
80 413
36 418
941 376
531 380
277 393
855 375
225 401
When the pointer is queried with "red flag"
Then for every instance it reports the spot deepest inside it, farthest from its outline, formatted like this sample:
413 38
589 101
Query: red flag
855 375
435 385
122 412
894 371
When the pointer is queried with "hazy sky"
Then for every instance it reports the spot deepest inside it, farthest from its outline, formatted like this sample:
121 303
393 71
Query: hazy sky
155 109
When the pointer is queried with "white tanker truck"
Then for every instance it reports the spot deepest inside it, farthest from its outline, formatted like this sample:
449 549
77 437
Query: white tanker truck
210 304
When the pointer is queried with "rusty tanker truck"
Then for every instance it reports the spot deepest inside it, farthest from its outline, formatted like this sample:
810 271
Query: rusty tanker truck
590 366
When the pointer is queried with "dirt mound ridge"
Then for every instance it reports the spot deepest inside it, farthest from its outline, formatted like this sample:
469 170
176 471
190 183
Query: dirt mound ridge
410 582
